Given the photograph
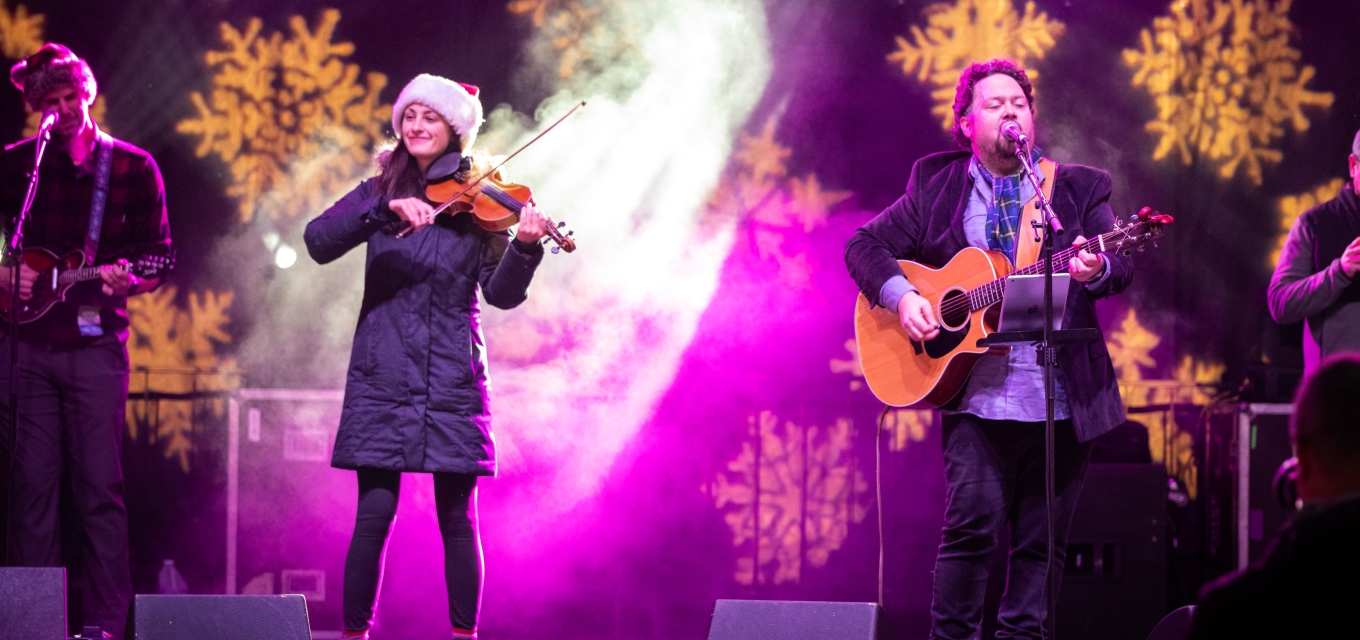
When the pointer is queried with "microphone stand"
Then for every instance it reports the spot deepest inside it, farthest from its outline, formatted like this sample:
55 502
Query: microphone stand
16 250
1048 359
1045 342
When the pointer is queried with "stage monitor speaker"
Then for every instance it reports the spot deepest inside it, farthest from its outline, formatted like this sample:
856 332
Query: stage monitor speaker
221 617
33 603
790 620
1175 626
1114 580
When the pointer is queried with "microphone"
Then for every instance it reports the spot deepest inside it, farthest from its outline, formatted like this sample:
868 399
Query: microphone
1012 130
49 120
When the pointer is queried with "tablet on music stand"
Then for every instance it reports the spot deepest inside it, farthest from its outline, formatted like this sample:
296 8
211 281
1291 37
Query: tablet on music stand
1022 305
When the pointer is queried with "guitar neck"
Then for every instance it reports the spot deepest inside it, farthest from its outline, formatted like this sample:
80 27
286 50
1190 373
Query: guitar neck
78 275
990 293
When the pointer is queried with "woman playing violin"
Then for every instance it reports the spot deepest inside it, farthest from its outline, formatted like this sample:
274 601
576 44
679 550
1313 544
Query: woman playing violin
416 396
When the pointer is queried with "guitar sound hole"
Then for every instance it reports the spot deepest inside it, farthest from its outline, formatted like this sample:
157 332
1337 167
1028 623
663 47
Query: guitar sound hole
954 309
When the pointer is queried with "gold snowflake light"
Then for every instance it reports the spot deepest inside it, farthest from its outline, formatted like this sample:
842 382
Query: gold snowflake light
759 188
577 32
175 351
288 115
1131 348
21 35
20 31
1291 207
794 500
1225 82
968 31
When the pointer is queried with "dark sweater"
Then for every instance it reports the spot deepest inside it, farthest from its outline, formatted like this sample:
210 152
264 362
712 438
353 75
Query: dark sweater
1309 283
1305 586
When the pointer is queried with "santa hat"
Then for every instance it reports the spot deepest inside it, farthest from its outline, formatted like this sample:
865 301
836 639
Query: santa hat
456 101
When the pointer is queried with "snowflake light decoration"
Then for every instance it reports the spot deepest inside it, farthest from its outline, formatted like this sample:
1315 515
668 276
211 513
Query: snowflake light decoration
805 503
1291 207
288 116
1130 349
1225 82
20 31
758 188
21 35
173 350
966 31
576 30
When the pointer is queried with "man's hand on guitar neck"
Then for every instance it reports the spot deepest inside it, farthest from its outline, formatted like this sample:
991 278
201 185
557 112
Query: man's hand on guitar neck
1085 266
26 278
917 318
118 281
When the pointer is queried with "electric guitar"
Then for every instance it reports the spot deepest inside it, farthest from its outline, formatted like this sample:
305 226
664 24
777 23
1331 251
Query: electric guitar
57 275
964 296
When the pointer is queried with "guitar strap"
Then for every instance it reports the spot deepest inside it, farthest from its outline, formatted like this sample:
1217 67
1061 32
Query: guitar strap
1026 249
101 194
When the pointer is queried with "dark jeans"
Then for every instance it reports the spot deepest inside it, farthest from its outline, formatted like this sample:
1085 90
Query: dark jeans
72 406
994 472
455 498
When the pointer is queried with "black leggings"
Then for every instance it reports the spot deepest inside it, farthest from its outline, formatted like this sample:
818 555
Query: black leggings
455 501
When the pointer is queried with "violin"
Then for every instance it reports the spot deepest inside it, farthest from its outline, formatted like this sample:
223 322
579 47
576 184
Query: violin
495 203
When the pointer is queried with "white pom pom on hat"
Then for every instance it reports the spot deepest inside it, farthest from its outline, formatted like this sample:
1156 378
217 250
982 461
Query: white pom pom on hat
456 101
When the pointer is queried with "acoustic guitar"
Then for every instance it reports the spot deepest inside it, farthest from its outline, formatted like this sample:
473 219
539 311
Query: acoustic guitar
964 295
57 275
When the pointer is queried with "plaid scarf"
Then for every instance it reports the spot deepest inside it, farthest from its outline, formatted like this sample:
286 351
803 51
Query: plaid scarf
1003 212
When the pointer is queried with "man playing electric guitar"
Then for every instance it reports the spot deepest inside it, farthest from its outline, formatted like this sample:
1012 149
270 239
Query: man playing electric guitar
104 197
994 429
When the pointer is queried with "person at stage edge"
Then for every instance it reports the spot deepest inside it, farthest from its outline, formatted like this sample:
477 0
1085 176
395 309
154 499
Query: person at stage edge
1304 585
1315 278
73 362
416 396
993 432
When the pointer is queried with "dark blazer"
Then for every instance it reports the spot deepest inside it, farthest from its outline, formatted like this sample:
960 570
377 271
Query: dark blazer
926 225
416 396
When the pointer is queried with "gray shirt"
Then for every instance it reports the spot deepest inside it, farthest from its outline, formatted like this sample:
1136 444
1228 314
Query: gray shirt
1323 297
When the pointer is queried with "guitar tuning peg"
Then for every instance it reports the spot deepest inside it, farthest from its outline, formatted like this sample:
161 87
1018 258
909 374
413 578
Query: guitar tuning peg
571 232
556 249
561 224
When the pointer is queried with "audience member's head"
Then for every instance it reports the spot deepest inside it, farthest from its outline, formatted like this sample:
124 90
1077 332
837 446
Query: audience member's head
1326 429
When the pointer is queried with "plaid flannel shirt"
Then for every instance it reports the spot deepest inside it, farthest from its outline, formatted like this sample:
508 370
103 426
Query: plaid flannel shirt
135 225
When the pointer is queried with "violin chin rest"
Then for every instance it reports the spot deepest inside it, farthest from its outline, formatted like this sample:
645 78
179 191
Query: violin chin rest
442 170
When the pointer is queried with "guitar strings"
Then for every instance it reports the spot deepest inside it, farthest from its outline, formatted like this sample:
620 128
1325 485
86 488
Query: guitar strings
990 293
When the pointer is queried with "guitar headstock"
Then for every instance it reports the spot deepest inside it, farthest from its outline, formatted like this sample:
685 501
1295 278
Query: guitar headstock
153 266
1142 228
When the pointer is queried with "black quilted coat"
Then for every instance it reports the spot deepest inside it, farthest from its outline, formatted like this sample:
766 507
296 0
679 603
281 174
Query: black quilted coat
416 396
